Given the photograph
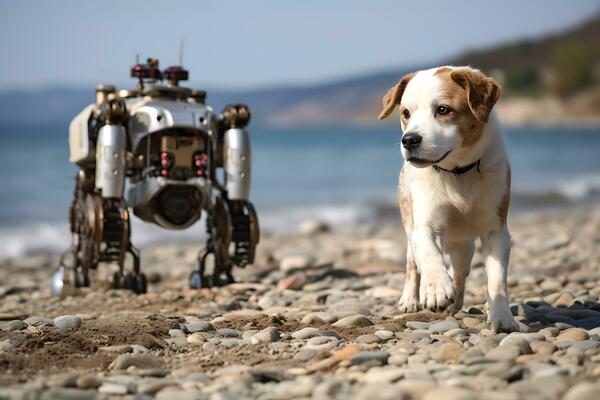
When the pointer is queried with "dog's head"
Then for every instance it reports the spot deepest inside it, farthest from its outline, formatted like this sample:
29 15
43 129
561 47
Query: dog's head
443 112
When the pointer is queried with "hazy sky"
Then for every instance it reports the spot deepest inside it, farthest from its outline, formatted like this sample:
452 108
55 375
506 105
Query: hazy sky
256 43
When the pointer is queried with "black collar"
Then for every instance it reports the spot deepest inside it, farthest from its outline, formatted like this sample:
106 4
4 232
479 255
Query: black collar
459 170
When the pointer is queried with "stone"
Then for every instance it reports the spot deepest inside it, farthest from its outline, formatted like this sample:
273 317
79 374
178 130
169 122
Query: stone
381 292
140 361
417 325
572 335
292 282
305 333
583 391
449 353
564 300
305 354
267 335
228 332
199 326
244 315
368 339
470 322
318 318
444 326
503 353
385 334
67 322
88 382
35 320
518 340
112 388
450 393
14 325
352 321
196 338
322 343
365 356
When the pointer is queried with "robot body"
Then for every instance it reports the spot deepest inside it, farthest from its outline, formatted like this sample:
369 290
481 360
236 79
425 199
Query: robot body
167 145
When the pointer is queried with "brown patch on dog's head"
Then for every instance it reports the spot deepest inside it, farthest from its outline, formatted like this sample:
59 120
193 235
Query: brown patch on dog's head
482 92
394 95
471 96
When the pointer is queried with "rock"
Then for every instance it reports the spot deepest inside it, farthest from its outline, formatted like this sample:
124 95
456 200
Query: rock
519 341
318 318
112 388
196 338
176 333
305 333
503 353
572 335
364 356
14 325
199 326
449 352
417 325
140 361
353 321
267 335
243 315
34 320
444 326
471 322
63 394
88 382
67 322
565 300
305 354
228 332
384 334
322 343
295 261
292 282
583 391
367 339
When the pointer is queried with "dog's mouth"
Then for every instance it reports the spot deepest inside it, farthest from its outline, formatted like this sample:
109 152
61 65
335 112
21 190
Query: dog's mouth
425 162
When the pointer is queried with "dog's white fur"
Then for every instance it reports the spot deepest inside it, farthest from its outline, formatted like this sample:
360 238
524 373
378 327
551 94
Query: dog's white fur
444 213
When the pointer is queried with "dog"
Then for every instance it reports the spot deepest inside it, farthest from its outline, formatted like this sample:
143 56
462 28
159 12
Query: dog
453 187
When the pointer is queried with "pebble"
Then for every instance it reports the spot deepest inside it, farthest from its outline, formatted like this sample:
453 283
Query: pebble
384 334
322 342
15 325
88 382
444 326
503 353
583 391
449 352
305 333
196 338
517 340
417 325
292 282
35 320
572 335
141 361
199 326
364 356
267 335
112 388
228 332
368 339
67 322
353 321
297 260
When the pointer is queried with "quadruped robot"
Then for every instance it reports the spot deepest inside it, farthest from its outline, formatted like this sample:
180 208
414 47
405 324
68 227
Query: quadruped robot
178 158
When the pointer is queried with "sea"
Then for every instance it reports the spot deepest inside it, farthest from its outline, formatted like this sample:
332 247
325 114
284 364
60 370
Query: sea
342 175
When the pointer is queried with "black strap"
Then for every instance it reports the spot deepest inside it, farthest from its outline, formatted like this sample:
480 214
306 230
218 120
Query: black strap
459 170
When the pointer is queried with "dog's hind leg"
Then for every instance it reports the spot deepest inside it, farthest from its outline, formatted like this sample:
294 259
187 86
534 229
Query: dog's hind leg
409 301
461 254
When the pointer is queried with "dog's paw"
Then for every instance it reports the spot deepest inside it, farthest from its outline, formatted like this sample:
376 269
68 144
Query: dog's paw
436 291
501 319
409 302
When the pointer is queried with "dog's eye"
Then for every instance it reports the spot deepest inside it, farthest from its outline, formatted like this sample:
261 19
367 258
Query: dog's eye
443 110
406 113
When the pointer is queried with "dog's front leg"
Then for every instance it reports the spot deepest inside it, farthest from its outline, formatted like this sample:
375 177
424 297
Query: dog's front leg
436 291
496 252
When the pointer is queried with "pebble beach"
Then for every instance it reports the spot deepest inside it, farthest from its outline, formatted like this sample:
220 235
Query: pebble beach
314 318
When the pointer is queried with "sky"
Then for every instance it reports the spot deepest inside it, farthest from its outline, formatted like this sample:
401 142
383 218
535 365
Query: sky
250 44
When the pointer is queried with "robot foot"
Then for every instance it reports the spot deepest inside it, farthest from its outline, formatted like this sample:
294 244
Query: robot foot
134 282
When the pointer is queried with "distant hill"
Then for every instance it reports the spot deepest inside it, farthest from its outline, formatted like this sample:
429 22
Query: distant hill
556 77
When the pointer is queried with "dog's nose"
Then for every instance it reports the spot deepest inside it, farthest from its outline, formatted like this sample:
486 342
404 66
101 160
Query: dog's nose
411 141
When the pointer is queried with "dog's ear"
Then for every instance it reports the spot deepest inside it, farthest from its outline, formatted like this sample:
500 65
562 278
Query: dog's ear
394 95
482 92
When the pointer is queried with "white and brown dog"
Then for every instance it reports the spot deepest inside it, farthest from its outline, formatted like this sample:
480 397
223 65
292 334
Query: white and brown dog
453 188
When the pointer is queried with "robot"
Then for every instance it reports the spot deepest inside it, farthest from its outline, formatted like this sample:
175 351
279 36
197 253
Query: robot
177 159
